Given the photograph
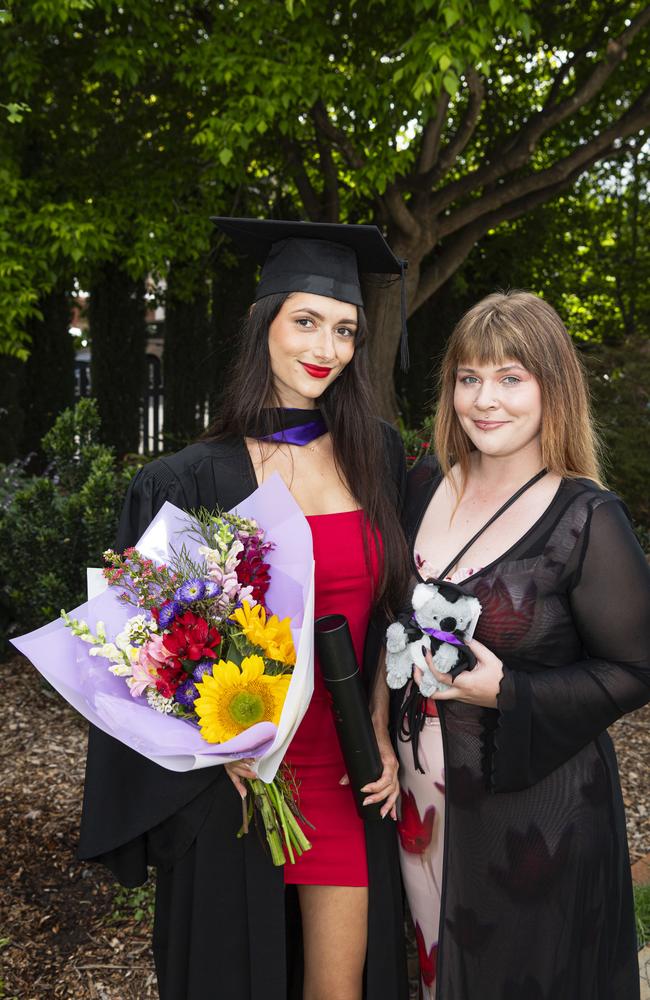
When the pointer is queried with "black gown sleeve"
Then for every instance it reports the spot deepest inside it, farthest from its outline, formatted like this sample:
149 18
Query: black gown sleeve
148 491
548 715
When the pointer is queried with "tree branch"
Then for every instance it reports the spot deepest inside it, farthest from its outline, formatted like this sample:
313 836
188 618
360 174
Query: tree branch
399 212
635 118
501 163
459 247
577 56
329 131
431 135
306 190
331 204
465 130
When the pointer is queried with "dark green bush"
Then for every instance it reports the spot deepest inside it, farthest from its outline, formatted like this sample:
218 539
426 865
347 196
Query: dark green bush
53 526
619 379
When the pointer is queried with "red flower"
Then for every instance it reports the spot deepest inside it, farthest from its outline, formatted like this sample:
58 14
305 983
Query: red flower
252 569
253 572
191 638
169 677
415 833
428 959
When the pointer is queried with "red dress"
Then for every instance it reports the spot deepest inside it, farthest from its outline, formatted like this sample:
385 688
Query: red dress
343 586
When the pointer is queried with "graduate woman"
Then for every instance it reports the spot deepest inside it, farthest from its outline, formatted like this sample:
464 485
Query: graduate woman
535 881
228 924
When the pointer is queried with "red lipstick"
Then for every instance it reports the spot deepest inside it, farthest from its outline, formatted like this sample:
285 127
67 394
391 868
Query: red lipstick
315 370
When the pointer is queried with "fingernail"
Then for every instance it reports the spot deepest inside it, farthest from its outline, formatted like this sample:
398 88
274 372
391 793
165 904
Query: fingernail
242 792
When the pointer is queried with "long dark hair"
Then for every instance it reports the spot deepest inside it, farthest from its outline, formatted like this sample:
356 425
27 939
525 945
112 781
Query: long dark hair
357 436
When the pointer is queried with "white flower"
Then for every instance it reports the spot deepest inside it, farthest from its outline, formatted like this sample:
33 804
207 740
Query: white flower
122 657
157 701
120 670
136 631
108 650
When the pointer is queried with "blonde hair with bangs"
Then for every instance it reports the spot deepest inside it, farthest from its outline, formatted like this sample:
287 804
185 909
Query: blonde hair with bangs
520 326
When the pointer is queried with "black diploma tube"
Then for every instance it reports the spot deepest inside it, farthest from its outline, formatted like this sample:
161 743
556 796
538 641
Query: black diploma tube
342 677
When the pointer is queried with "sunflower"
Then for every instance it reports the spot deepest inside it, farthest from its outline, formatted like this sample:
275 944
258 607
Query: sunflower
271 635
232 699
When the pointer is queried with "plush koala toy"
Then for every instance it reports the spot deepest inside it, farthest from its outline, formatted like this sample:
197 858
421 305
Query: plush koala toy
443 616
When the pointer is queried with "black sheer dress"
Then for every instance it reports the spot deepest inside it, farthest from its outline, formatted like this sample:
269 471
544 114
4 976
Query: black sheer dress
537 897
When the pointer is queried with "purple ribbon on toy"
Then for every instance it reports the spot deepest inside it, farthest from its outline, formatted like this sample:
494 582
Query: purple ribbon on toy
443 636
301 434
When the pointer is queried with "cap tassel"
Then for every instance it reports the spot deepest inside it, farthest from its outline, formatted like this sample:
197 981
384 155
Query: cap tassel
404 339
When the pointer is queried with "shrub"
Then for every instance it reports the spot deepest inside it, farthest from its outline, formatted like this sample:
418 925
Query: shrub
52 527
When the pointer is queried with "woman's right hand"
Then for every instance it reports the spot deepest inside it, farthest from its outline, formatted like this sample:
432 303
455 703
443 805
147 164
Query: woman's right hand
238 771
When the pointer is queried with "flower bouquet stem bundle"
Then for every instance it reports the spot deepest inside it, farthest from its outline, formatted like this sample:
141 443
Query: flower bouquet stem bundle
277 807
180 657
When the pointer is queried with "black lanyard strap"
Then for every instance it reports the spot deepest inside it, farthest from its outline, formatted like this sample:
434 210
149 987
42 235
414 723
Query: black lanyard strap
501 510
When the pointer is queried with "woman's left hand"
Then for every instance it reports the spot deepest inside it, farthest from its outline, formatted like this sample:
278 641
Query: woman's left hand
386 788
479 686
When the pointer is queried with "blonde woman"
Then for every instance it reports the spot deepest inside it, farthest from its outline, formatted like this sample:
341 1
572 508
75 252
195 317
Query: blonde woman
531 898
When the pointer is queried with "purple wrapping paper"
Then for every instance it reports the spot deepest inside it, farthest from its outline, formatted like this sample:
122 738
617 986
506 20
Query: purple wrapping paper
105 700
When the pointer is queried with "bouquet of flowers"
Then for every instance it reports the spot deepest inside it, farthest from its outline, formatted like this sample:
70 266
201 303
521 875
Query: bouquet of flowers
196 668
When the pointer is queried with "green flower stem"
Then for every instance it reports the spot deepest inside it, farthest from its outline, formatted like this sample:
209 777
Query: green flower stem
290 823
263 803
276 797
276 806
298 837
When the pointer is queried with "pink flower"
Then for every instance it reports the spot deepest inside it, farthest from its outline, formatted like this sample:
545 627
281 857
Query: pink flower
144 675
152 657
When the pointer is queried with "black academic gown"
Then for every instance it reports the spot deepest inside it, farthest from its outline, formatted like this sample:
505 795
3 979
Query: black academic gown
222 930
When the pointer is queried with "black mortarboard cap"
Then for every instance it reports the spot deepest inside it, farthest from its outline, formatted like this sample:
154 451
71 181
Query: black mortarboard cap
317 257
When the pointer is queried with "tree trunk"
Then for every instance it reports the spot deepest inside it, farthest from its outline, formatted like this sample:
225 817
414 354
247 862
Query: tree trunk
384 313
48 386
232 293
117 366
12 416
185 355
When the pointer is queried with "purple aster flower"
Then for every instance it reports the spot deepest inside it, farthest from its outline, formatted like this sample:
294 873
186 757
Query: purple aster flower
202 667
193 590
186 693
168 612
211 589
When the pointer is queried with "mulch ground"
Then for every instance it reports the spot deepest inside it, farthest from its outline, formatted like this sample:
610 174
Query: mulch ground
59 936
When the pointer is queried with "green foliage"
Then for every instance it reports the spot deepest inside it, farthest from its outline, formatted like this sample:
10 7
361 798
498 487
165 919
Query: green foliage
620 388
134 905
4 942
12 479
72 446
417 441
642 913
145 116
56 525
